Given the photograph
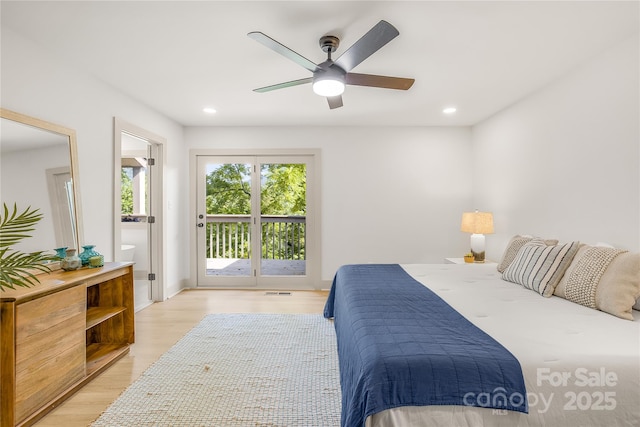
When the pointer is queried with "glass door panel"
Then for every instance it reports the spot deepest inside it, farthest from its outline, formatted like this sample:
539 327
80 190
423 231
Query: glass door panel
225 226
283 208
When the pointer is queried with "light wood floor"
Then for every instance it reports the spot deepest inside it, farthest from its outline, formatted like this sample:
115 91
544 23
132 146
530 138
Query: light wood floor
160 326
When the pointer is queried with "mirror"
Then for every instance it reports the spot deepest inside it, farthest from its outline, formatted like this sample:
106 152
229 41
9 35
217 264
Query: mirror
38 168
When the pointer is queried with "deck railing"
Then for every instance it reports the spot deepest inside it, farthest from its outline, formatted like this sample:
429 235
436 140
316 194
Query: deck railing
283 236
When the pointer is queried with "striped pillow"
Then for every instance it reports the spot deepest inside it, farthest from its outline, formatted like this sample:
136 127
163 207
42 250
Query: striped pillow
540 267
514 246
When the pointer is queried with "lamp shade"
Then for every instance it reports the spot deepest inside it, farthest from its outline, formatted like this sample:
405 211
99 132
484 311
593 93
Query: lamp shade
477 222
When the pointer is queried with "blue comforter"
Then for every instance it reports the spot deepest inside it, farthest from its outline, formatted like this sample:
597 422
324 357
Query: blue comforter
399 344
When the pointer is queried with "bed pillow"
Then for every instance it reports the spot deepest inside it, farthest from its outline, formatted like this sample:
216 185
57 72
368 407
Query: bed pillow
513 247
539 267
605 279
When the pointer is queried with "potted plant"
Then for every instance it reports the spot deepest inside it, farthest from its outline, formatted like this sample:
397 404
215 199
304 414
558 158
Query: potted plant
17 268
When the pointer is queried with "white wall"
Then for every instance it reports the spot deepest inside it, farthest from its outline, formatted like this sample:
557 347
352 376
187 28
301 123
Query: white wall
565 161
388 194
36 84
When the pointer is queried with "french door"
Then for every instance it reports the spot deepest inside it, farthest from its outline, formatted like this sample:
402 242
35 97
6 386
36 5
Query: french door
255 223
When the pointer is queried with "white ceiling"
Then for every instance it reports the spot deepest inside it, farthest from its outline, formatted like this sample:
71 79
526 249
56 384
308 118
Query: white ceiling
178 57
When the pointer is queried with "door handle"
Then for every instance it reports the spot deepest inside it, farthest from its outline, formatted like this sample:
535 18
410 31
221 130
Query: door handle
200 225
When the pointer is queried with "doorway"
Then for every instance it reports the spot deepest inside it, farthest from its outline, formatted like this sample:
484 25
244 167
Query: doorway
256 221
138 209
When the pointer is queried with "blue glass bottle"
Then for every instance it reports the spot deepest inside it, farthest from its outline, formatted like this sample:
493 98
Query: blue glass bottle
61 252
88 252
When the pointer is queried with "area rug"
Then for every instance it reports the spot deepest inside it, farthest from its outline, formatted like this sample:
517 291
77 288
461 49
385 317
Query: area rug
239 370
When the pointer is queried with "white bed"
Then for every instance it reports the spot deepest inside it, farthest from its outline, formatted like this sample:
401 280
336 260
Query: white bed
559 344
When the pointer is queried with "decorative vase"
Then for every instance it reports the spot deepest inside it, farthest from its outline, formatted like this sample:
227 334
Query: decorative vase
61 252
71 261
87 253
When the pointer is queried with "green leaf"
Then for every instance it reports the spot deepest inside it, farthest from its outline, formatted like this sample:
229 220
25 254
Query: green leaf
14 227
16 268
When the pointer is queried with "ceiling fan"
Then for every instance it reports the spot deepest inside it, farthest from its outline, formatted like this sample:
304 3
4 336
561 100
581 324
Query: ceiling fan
330 77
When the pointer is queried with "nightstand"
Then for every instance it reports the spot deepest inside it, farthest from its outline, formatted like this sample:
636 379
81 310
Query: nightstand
461 261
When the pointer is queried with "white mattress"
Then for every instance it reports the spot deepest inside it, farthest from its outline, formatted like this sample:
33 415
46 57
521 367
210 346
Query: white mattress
581 366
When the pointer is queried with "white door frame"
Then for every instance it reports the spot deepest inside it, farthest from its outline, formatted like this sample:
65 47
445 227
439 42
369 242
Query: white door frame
313 268
156 250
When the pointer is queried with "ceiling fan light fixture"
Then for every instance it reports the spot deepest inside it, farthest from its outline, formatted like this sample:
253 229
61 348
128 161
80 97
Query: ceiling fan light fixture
328 86
330 77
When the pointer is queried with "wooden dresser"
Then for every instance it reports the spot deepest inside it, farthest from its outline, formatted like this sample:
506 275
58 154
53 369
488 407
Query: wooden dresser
57 336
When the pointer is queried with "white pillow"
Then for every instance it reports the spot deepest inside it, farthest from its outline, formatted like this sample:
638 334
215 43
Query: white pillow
606 279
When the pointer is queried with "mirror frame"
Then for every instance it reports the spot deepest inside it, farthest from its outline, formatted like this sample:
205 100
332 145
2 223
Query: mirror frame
73 158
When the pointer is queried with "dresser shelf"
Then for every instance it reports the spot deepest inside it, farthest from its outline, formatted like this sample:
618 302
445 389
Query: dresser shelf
101 356
97 315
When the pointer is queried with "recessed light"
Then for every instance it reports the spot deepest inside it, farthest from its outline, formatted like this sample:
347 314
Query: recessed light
209 110
449 110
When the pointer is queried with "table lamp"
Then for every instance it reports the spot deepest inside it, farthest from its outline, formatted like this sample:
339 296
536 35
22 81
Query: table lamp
478 224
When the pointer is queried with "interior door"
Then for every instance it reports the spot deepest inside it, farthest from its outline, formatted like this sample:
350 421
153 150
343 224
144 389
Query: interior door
137 216
252 216
138 207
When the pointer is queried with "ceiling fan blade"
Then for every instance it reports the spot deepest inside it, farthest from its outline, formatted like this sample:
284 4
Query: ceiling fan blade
283 50
378 36
334 101
284 85
385 82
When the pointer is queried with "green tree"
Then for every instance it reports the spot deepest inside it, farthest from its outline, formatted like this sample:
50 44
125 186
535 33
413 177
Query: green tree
229 189
126 188
283 192
284 189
